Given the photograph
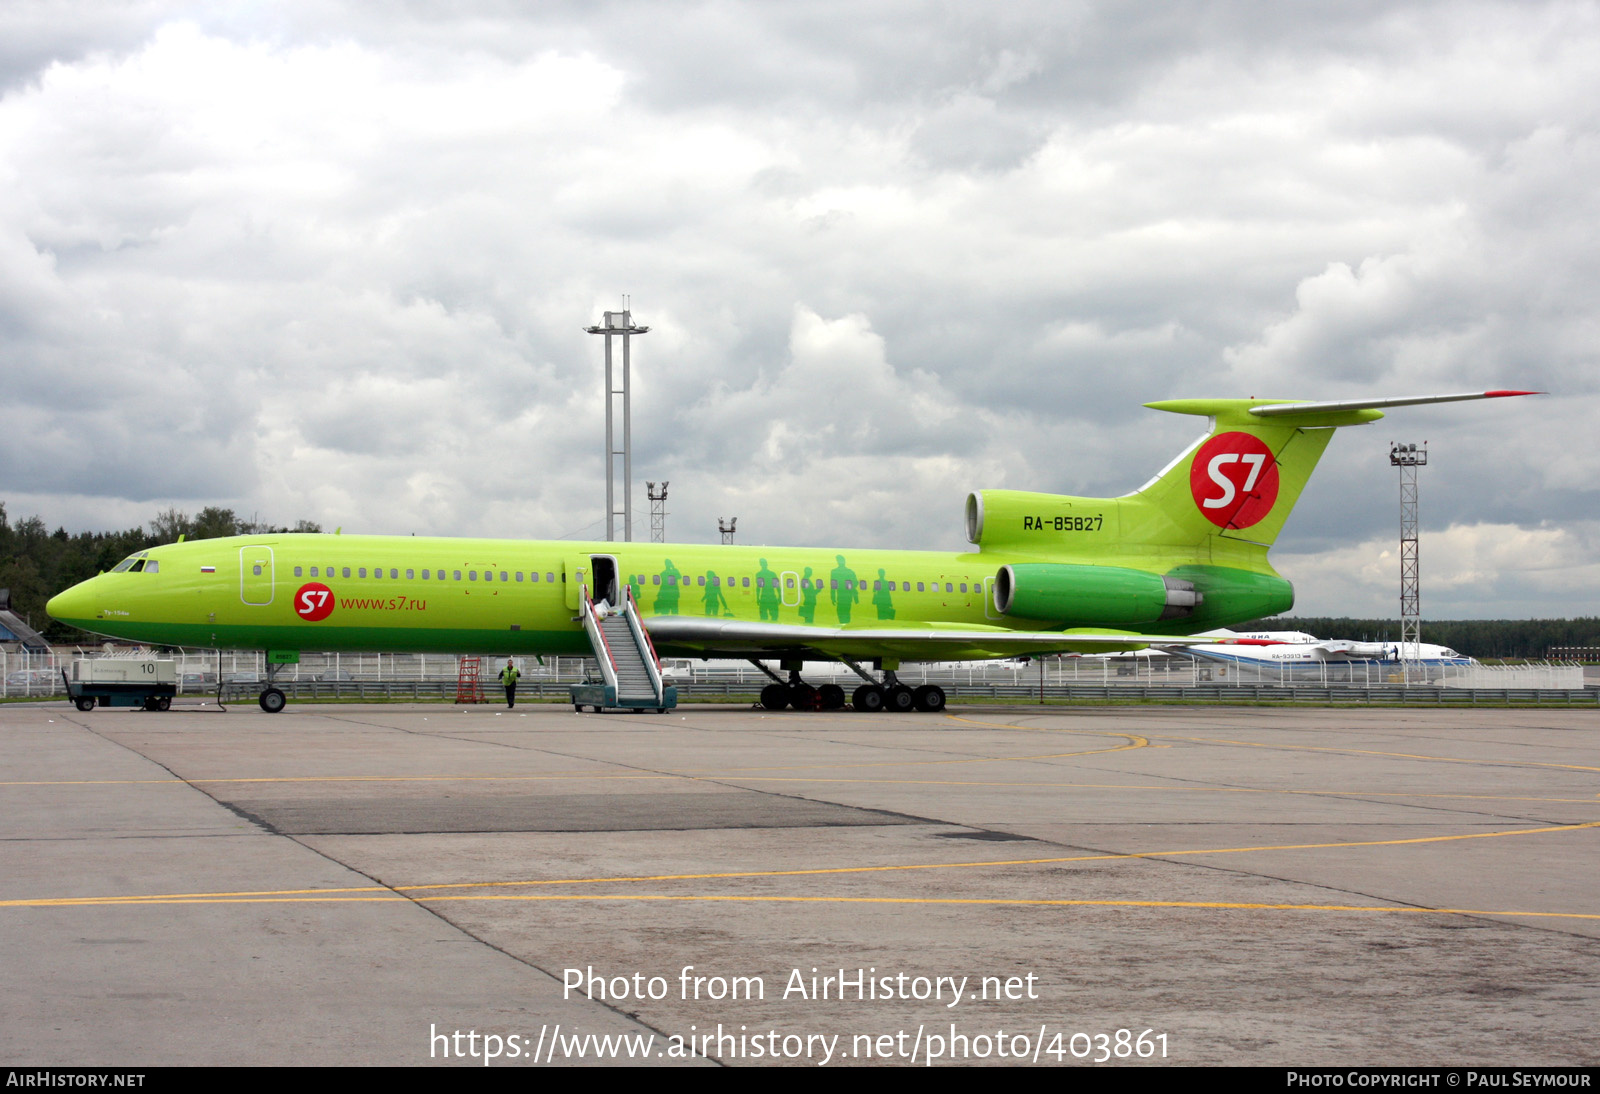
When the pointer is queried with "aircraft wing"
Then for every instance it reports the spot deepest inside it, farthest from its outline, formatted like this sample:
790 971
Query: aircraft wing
675 635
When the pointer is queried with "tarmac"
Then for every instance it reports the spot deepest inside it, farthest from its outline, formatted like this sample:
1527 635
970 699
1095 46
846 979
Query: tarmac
436 884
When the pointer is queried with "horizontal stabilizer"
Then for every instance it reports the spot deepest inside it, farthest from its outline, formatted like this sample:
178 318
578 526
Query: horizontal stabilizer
1289 410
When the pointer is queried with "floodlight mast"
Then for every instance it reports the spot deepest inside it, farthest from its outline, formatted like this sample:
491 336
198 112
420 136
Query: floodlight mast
658 511
1409 457
619 323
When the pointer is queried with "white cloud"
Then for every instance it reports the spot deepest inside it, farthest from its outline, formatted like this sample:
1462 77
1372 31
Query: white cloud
332 263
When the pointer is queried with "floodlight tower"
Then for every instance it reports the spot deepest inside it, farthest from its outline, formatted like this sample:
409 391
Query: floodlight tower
619 323
658 512
1409 457
726 528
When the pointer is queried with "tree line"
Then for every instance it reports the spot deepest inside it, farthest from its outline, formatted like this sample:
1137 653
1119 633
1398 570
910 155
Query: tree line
36 563
1480 638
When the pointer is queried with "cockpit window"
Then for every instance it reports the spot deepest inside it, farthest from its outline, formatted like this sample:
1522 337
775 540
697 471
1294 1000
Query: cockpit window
132 562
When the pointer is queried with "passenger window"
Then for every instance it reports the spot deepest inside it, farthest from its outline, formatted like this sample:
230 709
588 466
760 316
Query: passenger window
411 575
702 580
963 586
426 574
457 573
747 582
347 571
949 588
254 570
919 587
790 582
655 579
505 576
863 584
362 572
472 575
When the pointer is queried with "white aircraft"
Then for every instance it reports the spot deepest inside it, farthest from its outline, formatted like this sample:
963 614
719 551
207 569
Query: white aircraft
1292 648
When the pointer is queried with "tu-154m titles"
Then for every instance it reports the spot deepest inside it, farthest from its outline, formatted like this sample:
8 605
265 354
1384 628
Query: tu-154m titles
1047 573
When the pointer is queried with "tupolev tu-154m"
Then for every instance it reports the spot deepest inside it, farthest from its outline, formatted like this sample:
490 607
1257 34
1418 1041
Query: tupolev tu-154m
1048 573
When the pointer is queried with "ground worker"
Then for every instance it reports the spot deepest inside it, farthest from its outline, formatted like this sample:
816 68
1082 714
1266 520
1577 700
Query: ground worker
508 677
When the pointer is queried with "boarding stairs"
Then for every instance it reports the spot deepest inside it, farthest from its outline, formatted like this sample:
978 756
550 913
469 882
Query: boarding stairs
628 661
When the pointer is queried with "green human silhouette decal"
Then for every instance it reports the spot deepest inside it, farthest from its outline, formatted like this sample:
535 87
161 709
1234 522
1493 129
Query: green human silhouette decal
667 598
883 597
767 596
809 588
842 589
716 603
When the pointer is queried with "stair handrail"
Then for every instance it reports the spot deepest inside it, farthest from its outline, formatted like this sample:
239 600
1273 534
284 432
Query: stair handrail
597 637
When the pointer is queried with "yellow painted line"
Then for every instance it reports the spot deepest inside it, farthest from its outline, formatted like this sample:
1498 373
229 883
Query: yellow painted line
1390 755
1186 905
227 897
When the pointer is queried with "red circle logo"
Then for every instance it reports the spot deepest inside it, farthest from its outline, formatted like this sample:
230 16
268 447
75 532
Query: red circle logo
313 601
1234 480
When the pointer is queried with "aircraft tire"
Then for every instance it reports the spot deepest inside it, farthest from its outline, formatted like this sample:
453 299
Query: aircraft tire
805 697
272 701
832 697
929 698
868 699
900 699
84 703
774 696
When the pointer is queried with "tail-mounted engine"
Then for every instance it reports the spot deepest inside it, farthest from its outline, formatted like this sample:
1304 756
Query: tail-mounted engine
1092 596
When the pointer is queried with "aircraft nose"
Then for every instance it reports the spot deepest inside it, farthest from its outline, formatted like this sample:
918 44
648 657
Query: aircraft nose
72 605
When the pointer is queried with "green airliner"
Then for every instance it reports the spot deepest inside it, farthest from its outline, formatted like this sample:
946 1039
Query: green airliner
1048 573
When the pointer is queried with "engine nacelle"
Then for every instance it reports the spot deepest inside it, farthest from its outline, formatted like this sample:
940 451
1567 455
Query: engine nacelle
1091 596
1016 518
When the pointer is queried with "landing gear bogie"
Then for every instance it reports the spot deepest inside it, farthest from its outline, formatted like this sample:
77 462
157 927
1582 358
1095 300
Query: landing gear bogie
868 698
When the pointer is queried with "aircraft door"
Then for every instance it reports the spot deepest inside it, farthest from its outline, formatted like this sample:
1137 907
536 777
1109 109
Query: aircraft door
791 588
255 575
575 575
989 609
604 569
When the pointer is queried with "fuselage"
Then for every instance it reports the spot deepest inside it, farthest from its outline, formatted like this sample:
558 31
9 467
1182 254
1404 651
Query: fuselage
425 594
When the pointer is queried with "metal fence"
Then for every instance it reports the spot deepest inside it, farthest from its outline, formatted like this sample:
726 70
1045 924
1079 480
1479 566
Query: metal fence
39 675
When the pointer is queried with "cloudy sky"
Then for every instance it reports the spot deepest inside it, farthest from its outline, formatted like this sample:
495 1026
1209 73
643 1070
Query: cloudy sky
332 262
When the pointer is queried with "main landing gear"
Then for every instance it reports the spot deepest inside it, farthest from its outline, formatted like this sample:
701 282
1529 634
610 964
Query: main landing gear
870 697
796 693
894 696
